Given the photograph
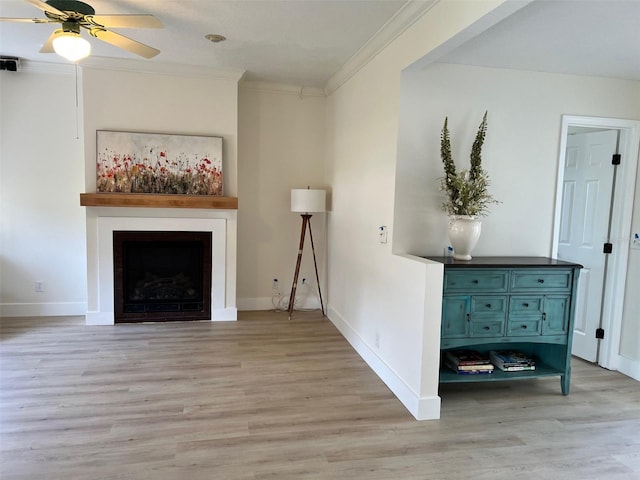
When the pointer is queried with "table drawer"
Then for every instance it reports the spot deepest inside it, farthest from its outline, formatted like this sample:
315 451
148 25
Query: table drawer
541 280
523 305
489 305
476 281
487 329
523 327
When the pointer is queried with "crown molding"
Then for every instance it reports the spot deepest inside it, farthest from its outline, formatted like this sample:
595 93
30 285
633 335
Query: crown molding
50 68
297 90
157 68
128 65
396 25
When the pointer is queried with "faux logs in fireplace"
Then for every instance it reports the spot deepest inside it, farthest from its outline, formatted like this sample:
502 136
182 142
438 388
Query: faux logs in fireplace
161 276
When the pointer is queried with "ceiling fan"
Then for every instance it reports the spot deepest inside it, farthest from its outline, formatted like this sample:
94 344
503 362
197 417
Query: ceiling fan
74 15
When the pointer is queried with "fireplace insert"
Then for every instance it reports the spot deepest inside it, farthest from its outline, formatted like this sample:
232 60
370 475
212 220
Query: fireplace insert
161 276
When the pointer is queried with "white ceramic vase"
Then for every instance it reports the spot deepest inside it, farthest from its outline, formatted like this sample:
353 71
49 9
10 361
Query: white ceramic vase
464 232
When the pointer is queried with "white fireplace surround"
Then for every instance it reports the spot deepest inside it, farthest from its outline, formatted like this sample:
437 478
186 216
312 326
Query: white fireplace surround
100 261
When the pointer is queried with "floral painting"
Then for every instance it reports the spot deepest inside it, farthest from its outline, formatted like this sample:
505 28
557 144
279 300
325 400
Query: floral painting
130 162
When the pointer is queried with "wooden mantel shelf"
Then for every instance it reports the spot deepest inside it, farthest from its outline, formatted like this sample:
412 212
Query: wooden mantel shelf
150 200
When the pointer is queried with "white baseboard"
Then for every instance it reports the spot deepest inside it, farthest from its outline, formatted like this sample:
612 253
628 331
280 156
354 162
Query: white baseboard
251 304
272 303
224 315
422 408
629 367
59 309
107 318
99 318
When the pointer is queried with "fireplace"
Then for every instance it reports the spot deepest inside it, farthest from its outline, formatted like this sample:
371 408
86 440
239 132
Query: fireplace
161 276
103 222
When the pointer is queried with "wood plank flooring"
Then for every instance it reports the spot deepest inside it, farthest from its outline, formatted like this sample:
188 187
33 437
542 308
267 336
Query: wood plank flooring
270 398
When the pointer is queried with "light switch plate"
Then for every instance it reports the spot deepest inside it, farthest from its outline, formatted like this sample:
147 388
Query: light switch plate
382 231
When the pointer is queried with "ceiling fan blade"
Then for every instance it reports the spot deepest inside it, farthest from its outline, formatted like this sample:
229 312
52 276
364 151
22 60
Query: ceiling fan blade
47 47
27 20
125 21
45 7
125 43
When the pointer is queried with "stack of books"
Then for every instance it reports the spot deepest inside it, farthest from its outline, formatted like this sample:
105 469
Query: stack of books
510 361
467 362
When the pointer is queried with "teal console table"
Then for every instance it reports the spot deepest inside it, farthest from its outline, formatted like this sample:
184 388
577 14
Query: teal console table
510 303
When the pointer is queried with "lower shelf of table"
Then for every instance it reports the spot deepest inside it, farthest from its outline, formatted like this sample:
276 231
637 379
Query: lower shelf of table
542 370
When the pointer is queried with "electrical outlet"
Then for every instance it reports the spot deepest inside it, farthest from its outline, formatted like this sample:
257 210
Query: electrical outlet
38 286
274 283
377 340
304 281
635 241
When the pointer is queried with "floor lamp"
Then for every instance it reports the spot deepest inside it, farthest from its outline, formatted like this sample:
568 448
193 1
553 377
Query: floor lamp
304 201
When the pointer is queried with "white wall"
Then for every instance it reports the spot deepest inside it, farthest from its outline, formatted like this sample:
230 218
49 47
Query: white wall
630 335
162 103
42 230
520 151
386 305
281 146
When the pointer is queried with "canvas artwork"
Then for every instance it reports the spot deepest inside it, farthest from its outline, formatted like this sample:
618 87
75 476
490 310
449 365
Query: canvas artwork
129 162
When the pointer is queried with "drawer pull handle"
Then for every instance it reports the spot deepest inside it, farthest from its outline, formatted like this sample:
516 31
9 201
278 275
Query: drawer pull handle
487 328
476 282
468 317
488 305
544 317
541 280
525 305
524 327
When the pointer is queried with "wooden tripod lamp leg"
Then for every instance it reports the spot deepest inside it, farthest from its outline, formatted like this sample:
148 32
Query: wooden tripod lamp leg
315 264
292 297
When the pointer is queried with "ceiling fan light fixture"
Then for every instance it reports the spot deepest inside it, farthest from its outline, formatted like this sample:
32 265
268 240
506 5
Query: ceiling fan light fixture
71 46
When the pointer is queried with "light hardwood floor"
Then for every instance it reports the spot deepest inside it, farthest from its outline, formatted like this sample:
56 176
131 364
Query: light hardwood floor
272 398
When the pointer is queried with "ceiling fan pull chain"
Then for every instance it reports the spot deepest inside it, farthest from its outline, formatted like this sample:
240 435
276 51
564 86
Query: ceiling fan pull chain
77 106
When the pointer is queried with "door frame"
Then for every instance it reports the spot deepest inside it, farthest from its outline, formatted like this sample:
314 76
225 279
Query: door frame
622 211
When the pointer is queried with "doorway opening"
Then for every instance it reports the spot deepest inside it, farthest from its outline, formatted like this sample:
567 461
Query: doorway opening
594 207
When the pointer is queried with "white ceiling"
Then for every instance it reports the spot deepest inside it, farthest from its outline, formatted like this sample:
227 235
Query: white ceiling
304 42
581 37
299 42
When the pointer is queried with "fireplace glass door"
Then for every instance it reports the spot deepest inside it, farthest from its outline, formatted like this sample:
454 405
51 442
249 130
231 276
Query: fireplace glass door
162 276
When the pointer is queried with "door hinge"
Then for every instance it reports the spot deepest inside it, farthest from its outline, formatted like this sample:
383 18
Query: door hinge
608 248
615 159
600 333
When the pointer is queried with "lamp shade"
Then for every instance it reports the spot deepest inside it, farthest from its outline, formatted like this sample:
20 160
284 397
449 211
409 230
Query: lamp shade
71 46
308 200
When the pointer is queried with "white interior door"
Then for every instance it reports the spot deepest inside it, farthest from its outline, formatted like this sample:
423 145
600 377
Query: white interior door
584 227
